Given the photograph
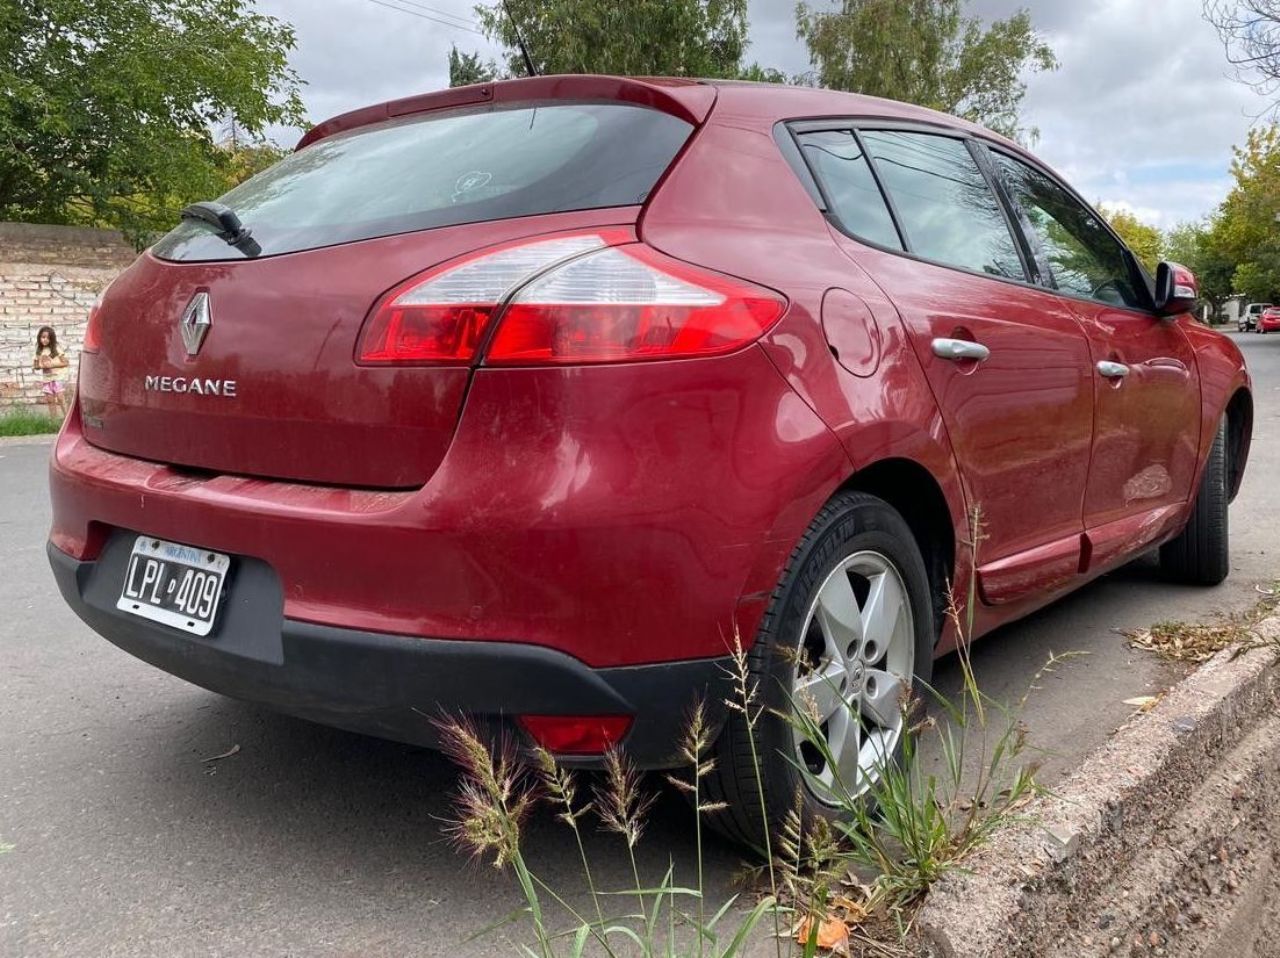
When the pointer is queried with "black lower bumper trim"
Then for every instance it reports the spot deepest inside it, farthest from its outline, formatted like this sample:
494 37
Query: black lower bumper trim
386 685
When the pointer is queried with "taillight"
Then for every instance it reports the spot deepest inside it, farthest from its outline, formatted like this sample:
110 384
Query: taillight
594 297
93 328
629 303
441 316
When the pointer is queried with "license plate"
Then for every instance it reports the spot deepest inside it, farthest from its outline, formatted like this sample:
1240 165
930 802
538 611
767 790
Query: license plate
175 584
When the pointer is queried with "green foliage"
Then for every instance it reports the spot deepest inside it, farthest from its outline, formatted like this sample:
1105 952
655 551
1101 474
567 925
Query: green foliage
694 38
927 52
1145 241
467 68
1248 231
107 106
762 74
497 791
27 422
1198 247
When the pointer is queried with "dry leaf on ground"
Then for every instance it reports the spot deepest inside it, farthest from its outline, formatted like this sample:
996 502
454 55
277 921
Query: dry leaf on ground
1143 703
234 749
833 934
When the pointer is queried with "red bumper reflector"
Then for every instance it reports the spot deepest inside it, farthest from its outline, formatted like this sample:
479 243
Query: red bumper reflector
576 734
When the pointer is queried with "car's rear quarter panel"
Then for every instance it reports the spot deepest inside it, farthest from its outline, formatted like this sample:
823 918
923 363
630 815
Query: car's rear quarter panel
734 204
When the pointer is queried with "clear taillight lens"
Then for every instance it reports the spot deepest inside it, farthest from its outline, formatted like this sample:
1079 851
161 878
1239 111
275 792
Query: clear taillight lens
440 316
626 304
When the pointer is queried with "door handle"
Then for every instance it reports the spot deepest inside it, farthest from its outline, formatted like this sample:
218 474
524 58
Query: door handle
1113 370
958 349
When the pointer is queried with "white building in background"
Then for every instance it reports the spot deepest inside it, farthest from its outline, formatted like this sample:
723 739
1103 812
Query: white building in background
1232 309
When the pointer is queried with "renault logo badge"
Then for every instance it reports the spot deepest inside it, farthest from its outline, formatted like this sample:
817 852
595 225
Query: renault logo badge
195 322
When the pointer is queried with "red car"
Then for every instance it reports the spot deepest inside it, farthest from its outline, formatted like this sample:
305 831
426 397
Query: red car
523 399
1269 320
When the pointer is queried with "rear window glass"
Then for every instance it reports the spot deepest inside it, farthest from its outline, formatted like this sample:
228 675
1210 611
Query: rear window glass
837 161
443 169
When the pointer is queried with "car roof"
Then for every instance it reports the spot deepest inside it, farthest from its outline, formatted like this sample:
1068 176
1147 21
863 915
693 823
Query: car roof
765 103
783 101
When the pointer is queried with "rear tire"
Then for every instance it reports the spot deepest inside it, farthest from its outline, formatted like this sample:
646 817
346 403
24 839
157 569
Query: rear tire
860 543
1200 555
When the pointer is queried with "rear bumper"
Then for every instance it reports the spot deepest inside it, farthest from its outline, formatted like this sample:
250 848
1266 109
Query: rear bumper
622 515
386 685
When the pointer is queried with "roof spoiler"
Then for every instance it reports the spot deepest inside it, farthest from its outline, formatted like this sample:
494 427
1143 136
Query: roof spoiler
687 99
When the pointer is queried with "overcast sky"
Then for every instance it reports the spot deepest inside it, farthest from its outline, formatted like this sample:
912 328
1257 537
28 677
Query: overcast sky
1141 113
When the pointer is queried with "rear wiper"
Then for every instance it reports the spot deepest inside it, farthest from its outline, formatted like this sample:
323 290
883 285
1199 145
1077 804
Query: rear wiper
227 223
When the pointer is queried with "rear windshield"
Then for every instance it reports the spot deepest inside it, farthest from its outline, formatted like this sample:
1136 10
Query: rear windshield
442 169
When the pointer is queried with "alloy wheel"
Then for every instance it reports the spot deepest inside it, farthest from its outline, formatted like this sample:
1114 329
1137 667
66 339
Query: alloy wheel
853 673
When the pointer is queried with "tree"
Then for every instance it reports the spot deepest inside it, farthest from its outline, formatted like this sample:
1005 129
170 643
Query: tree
245 160
1198 247
467 68
694 38
107 108
1248 231
762 74
1145 241
1250 31
927 52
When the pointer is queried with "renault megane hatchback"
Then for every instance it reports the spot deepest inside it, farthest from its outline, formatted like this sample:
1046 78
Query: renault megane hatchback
524 400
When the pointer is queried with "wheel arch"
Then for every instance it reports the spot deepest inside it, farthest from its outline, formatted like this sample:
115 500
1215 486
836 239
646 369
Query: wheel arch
919 498
1239 413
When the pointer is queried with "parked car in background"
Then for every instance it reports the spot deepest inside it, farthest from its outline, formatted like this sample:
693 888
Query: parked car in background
1269 320
1249 318
527 400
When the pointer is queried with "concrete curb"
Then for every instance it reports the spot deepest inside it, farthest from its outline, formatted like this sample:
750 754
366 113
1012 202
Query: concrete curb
1176 807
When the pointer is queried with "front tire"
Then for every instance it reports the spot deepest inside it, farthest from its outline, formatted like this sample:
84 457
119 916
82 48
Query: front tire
1200 555
848 634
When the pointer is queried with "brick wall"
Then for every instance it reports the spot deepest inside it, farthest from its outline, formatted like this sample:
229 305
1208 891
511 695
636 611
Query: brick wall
49 276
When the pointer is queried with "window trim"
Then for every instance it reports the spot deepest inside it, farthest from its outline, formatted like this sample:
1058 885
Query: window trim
889 203
856 126
789 145
1014 238
1032 266
1024 238
1136 275
813 182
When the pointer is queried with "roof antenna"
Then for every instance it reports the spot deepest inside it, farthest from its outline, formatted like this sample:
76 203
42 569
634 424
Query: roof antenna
530 69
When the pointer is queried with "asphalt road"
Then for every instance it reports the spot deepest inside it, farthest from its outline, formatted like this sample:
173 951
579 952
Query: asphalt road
126 840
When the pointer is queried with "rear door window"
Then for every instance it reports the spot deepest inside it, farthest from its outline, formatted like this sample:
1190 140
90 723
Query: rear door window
1083 258
837 161
444 169
944 204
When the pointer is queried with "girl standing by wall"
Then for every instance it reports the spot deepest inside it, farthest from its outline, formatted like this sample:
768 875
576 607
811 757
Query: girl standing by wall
52 362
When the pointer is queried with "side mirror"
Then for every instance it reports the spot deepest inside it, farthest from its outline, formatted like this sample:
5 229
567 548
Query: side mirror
1176 289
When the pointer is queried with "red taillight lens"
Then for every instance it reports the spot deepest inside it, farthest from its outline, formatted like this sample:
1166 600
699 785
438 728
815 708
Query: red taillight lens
629 303
93 328
577 734
440 316
427 333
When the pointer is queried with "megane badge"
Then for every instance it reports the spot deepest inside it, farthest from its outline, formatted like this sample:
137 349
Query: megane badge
195 322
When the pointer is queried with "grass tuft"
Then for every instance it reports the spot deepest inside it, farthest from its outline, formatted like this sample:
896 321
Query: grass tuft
28 422
906 829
